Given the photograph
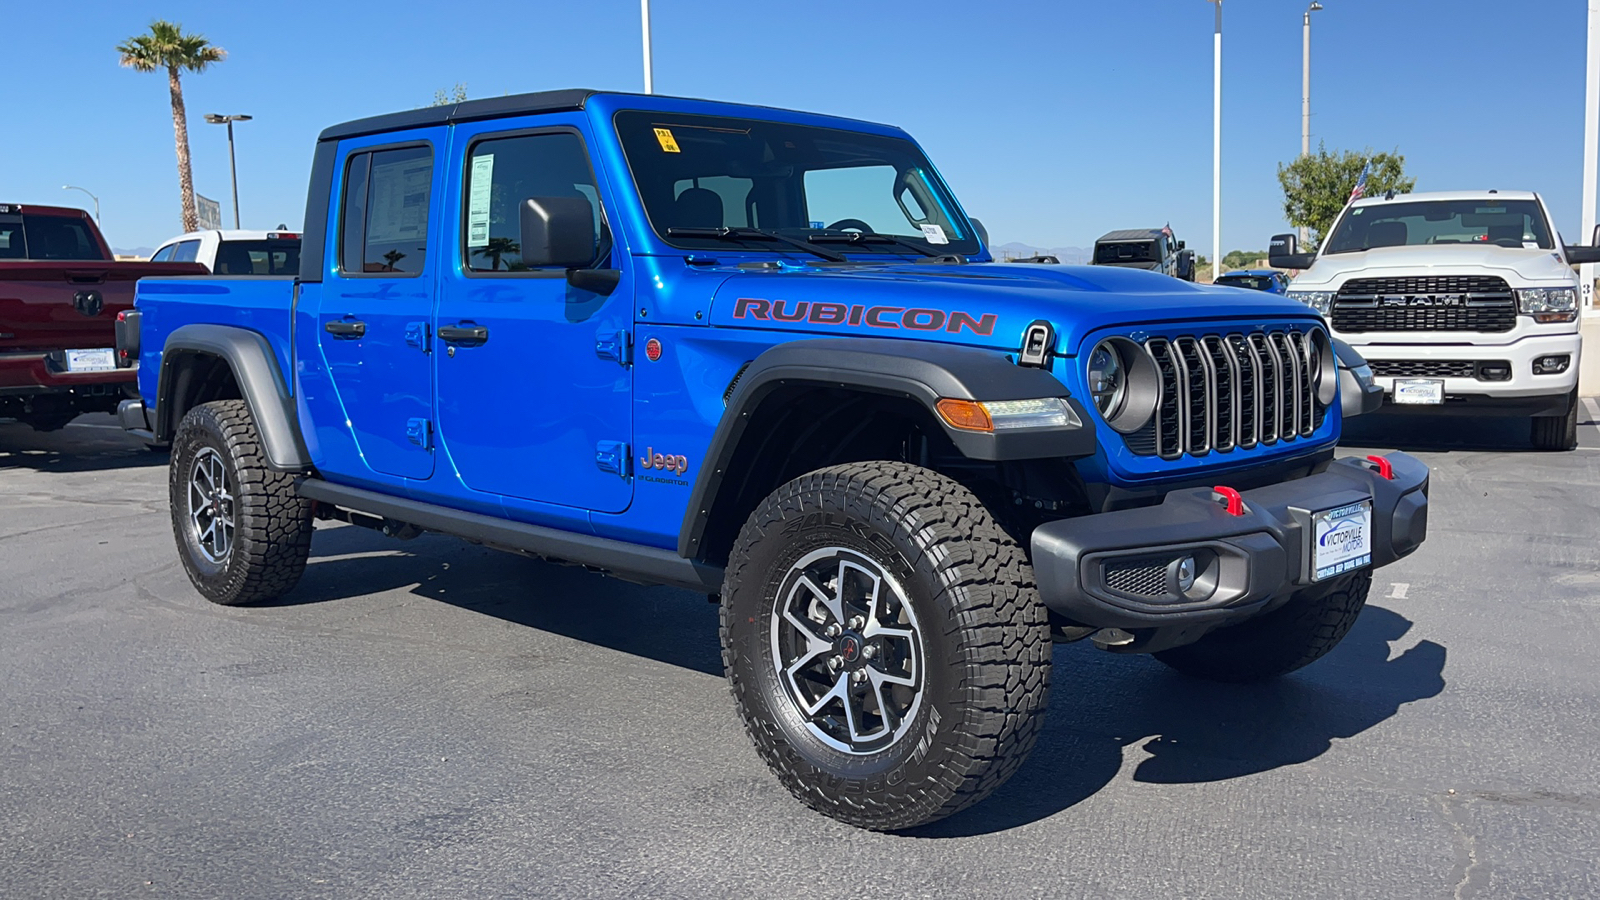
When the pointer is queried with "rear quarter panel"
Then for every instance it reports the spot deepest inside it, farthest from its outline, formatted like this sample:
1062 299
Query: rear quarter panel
261 304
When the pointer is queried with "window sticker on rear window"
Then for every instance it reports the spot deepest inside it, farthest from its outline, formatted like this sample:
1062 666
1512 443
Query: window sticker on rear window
478 202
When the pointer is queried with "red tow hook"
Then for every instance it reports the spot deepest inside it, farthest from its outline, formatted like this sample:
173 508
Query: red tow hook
1235 502
1385 468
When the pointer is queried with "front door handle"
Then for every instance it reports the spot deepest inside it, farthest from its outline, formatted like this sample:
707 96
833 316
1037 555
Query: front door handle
346 329
463 334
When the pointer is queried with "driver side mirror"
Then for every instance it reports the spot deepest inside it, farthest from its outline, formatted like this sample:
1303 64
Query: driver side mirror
557 232
1181 245
983 233
1284 253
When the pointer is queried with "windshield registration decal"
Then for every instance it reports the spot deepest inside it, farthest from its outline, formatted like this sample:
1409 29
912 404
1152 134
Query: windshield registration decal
857 315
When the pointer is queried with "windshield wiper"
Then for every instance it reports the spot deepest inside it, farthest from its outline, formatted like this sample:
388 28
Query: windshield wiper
871 237
730 233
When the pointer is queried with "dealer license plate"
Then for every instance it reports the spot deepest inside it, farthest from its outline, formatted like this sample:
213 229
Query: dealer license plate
1341 540
1418 391
91 360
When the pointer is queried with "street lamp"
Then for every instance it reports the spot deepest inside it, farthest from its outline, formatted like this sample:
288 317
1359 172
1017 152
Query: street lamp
233 167
644 15
68 187
1305 92
1216 148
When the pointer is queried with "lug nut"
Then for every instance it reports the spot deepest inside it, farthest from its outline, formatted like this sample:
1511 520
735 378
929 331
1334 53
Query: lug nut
858 676
869 651
833 630
857 622
835 662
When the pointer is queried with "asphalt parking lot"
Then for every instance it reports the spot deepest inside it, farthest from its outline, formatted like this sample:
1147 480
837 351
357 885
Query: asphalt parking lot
432 719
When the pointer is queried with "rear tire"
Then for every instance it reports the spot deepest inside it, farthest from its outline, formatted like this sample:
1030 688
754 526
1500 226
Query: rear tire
242 531
1290 637
950 697
1558 432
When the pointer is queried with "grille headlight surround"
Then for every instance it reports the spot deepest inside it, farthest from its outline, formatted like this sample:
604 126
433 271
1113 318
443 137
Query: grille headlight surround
1324 367
1548 304
1129 404
1321 301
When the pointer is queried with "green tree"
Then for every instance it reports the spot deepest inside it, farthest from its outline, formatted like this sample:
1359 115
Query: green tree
1240 259
1317 187
166 46
453 96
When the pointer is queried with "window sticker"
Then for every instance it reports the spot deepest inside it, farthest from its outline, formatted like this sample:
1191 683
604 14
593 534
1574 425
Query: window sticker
399 206
934 234
1491 210
669 144
478 201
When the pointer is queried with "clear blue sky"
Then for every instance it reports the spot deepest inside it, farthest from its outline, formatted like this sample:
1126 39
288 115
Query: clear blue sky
1053 120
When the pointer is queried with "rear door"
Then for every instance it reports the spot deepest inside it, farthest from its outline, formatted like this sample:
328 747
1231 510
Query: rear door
372 324
538 407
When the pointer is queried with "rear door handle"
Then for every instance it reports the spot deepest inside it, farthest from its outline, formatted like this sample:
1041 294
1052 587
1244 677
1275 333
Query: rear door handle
346 329
463 334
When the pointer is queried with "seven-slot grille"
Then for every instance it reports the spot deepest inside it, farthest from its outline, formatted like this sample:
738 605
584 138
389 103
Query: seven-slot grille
1221 392
1480 303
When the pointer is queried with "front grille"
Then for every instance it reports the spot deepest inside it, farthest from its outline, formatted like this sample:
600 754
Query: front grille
1222 392
1141 577
1432 303
1441 368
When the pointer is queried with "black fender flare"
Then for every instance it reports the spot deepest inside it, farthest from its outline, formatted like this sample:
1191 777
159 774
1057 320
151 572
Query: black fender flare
261 383
923 372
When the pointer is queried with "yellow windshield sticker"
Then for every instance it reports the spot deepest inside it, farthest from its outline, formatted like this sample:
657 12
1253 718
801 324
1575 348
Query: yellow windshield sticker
668 143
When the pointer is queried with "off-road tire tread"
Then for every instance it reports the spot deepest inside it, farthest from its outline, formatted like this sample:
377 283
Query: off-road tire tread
1291 637
990 605
273 523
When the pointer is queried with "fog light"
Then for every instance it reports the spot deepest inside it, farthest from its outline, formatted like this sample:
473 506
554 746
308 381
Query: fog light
1552 365
1183 574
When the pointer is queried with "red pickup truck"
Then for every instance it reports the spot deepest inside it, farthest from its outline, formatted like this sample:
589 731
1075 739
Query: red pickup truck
60 294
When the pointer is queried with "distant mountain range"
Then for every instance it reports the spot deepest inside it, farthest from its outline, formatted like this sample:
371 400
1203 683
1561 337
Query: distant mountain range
1069 256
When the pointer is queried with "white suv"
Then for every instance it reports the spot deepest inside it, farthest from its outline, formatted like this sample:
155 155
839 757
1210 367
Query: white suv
235 252
1463 303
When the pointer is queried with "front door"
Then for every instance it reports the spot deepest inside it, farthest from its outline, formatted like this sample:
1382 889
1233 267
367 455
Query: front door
372 327
534 389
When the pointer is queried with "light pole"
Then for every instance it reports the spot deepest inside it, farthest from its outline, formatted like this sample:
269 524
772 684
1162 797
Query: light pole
1591 155
69 187
1305 92
1216 148
233 167
644 15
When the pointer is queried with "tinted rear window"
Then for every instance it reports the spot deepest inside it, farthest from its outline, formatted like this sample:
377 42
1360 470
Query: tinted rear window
46 237
274 257
1126 252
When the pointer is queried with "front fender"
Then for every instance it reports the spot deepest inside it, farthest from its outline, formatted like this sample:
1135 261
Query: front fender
261 384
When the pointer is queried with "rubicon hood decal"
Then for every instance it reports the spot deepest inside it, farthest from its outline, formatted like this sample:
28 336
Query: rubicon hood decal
858 314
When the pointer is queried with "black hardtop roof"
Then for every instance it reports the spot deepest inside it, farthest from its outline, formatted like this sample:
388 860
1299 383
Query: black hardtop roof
500 107
1129 234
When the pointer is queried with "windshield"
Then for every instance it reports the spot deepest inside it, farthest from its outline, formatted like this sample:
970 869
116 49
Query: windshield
704 172
1126 252
269 257
1253 282
46 237
1503 223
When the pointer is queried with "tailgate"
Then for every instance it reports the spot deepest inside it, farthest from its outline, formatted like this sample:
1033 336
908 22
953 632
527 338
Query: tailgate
47 305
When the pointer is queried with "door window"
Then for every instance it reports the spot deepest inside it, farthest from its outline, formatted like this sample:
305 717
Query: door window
164 254
384 225
187 251
501 173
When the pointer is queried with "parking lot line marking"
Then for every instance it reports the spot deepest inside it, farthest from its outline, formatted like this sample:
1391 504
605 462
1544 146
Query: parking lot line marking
92 425
1397 590
1594 409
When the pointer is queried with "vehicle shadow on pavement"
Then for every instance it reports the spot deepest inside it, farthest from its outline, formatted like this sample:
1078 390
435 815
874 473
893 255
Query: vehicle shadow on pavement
664 624
1182 730
88 447
1441 433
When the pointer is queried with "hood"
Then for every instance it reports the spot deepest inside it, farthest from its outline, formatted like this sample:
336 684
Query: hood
1518 266
978 304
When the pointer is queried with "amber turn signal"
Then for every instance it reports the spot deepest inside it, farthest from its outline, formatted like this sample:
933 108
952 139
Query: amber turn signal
968 415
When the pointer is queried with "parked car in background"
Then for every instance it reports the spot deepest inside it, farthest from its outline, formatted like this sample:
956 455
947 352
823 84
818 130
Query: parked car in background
61 294
1464 303
1271 281
1145 248
235 252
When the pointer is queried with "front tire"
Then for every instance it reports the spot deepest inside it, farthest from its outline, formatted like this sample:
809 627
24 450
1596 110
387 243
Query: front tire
1558 432
243 532
1290 637
884 644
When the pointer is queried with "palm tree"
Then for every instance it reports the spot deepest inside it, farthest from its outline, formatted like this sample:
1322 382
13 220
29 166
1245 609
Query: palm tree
496 248
166 46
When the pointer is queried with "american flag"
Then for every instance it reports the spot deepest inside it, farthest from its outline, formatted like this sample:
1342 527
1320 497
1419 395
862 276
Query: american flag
1167 229
1361 183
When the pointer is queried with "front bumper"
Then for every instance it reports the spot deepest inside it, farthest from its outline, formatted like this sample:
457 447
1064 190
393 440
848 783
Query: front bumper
1114 569
1518 356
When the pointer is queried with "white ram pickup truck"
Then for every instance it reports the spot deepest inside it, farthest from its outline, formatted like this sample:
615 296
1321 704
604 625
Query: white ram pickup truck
1463 302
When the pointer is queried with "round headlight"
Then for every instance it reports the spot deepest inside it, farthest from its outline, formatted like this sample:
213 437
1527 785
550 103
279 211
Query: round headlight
1108 378
1124 383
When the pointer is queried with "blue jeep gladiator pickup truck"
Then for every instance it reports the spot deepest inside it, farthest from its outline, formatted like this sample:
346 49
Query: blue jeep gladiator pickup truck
764 355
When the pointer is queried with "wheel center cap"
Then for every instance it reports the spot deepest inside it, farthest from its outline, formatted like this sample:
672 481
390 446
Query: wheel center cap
849 647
